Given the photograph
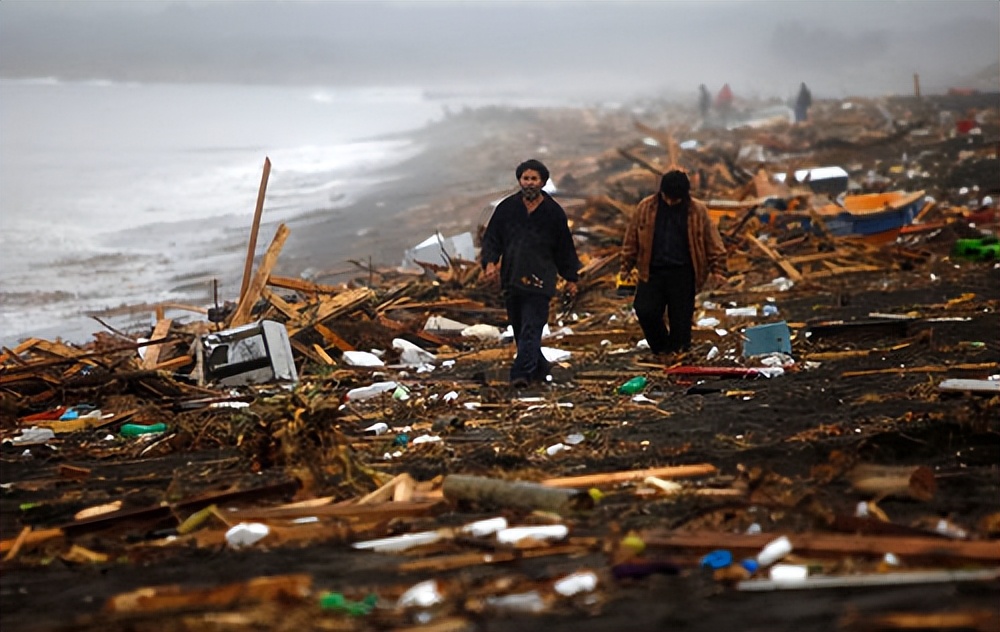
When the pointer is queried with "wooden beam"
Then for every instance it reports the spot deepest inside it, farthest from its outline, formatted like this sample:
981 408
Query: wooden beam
789 269
152 356
242 314
331 337
280 304
302 285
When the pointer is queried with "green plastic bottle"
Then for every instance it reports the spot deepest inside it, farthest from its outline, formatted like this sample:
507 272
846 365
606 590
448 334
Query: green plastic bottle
633 386
134 430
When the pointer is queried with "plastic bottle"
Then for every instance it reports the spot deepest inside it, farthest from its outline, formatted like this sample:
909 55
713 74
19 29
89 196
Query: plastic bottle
134 430
774 551
582 581
633 386
338 603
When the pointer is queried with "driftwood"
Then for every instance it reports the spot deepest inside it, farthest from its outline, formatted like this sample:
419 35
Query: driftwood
514 494
915 482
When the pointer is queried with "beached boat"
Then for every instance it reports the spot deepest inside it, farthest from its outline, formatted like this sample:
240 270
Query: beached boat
875 217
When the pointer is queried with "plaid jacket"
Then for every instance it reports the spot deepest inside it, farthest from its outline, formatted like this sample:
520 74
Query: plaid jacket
708 254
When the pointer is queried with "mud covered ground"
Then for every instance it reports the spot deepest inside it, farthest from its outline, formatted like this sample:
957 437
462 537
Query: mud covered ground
779 437
854 395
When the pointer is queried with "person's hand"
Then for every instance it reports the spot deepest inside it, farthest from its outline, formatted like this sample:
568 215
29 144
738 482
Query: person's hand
491 276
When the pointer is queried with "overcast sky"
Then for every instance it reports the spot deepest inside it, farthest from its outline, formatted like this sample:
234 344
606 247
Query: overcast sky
611 49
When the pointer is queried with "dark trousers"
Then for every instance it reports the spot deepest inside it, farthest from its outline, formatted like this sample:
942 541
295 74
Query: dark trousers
670 290
528 314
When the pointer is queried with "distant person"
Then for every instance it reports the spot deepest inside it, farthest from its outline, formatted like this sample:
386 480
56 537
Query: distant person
678 252
724 104
704 101
802 104
526 244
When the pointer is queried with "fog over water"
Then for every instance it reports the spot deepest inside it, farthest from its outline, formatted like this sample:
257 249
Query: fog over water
132 132
587 47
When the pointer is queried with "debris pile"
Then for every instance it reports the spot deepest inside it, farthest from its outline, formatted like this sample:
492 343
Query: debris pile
351 455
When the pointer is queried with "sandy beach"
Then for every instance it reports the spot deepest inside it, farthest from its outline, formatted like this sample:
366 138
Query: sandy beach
468 162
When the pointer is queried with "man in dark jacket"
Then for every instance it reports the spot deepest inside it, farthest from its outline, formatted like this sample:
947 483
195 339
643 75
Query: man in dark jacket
802 104
677 251
527 243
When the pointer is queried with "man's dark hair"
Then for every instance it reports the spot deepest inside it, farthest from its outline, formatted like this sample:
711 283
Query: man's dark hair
675 185
534 165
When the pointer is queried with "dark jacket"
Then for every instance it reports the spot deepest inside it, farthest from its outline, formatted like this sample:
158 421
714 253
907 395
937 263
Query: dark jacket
708 254
532 248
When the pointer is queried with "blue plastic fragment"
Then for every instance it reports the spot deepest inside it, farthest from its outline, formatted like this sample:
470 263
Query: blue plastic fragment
717 559
751 565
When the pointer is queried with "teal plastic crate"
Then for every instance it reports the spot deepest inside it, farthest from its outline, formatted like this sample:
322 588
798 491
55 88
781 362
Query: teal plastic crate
769 338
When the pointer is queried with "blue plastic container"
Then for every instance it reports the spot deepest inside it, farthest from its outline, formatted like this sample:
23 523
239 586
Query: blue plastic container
769 338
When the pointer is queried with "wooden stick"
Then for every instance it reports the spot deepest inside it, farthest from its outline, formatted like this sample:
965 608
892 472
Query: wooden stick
613 478
18 543
982 366
30 538
248 266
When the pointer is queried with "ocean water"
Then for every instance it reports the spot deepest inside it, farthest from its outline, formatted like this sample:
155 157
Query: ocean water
112 192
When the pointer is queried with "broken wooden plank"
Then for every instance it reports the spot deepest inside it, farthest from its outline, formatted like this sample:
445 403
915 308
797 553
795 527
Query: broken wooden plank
252 247
280 304
241 316
152 352
280 588
831 544
331 337
782 263
301 285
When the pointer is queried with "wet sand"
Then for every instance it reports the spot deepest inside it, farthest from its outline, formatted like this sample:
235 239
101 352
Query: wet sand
468 162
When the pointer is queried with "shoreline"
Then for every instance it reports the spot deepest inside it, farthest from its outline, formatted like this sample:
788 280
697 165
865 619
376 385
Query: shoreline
466 161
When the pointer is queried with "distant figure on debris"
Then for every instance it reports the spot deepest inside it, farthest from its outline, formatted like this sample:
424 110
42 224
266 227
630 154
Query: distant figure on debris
678 252
704 101
724 104
526 244
802 104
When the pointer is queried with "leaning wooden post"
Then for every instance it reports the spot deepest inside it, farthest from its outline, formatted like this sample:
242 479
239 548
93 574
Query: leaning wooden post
242 314
248 267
